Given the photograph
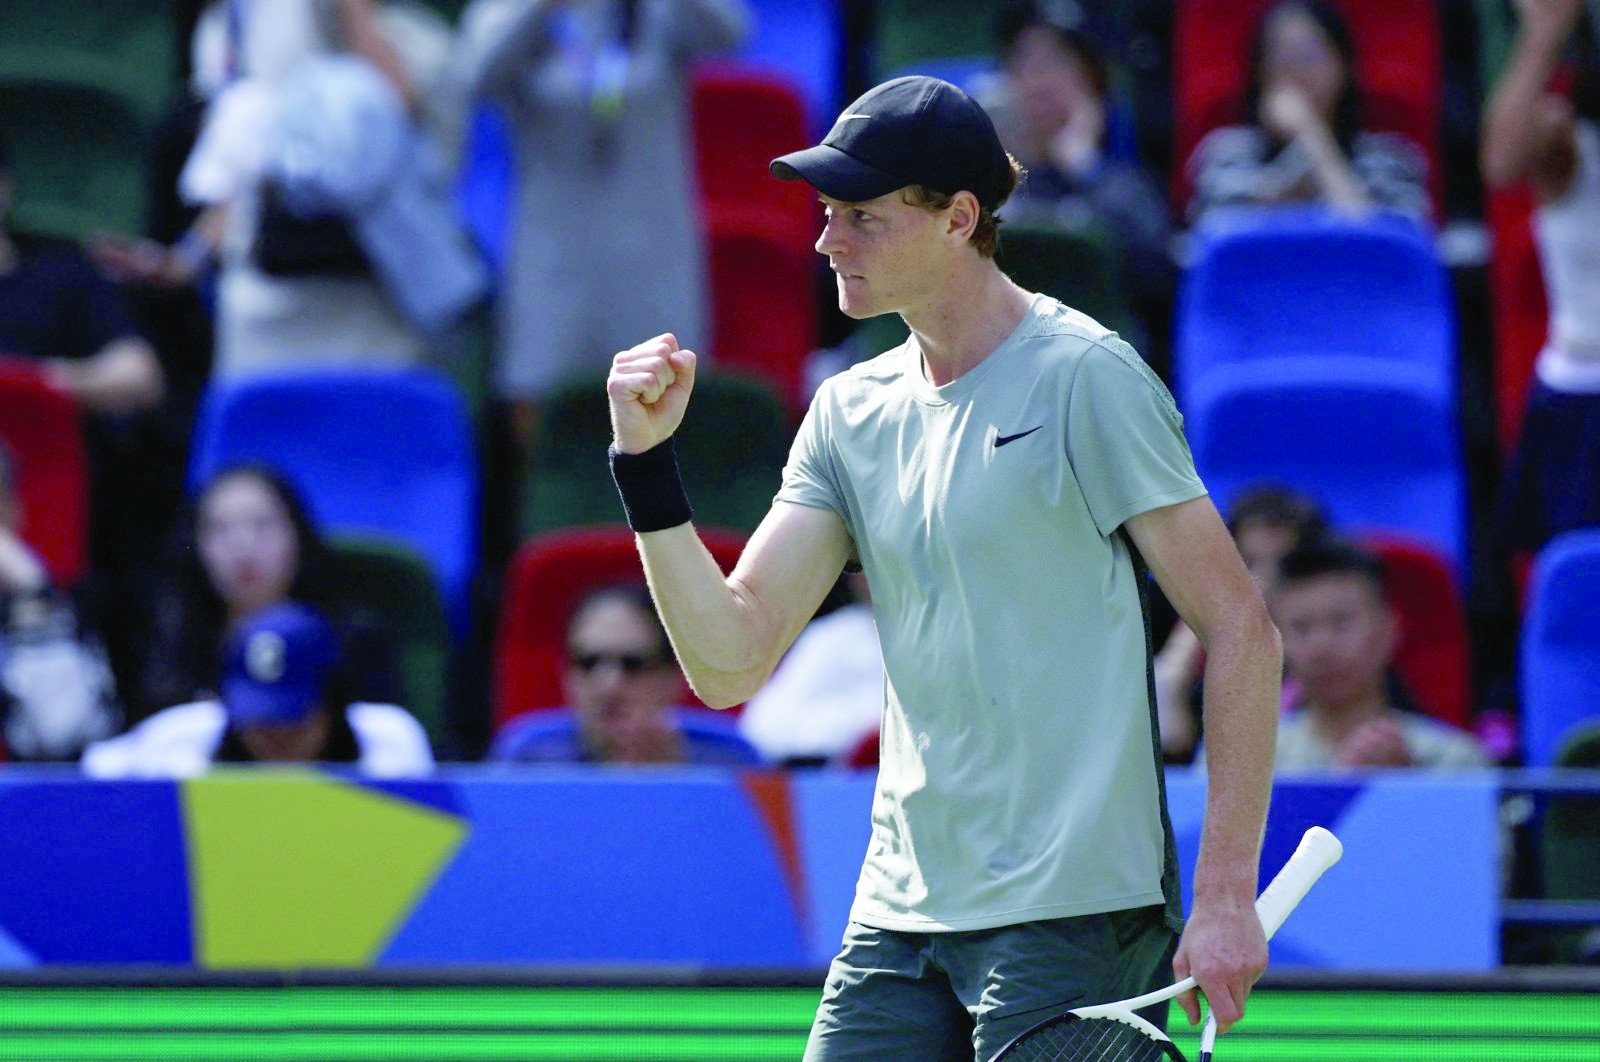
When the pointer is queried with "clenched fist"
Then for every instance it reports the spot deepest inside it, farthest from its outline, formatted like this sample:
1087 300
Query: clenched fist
649 389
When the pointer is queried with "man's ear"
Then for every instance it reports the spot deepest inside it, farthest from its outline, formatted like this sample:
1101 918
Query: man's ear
964 215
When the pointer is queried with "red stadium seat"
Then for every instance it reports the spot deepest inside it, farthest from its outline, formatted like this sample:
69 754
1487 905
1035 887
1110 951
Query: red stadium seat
1432 657
743 120
764 318
41 427
1399 68
1516 294
547 578
760 229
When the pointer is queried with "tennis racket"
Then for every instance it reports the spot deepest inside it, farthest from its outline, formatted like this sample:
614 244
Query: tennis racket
1112 1032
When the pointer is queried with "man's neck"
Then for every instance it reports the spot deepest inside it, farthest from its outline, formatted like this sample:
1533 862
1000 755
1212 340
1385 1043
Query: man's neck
1335 722
972 312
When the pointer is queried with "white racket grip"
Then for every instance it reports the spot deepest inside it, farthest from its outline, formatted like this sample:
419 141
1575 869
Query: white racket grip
1318 851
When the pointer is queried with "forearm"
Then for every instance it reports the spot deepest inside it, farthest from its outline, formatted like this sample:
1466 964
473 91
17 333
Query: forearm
1508 134
1336 180
1242 684
122 377
713 622
364 36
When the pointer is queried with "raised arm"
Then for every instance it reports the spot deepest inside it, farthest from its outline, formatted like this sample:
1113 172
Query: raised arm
728 633
1195 561
1522 131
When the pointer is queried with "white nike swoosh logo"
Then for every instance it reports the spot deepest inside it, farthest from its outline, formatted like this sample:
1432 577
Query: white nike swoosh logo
847 117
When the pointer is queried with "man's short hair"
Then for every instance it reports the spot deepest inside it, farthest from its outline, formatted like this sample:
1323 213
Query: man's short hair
1329 555
634 594
985 237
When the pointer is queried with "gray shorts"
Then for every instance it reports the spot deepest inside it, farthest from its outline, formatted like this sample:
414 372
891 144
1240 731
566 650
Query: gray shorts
946 996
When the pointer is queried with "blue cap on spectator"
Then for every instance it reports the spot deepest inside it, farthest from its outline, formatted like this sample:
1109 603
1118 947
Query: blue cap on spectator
911 130
277 666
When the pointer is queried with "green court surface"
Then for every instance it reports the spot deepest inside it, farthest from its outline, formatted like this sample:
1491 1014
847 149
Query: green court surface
643 1024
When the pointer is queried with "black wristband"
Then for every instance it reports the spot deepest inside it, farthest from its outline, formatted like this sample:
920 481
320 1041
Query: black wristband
651 488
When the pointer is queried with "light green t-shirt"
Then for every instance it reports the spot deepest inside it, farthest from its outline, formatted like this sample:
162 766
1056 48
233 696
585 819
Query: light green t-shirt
1020 774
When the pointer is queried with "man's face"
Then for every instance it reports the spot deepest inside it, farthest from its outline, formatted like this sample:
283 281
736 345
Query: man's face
884 252
1338 635
621 684
1048 81
292 743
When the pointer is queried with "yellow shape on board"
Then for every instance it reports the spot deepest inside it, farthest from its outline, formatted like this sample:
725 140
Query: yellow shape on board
292 869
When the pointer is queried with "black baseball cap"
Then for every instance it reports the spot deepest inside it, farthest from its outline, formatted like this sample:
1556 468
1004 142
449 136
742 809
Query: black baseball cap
912 130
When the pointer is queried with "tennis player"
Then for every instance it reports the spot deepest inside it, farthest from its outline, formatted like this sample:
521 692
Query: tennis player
1003 477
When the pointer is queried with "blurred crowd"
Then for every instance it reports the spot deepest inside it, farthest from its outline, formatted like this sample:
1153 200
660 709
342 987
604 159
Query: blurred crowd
405 239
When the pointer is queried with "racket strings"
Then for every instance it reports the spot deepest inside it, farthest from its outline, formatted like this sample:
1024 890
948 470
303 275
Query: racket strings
1086 1040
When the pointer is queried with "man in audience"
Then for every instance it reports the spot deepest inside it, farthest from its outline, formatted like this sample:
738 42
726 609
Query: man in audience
1054 121
622 687
57 311
1339 637
282 701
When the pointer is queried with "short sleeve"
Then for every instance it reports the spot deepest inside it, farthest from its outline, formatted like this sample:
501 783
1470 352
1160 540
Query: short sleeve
1125 438
810 476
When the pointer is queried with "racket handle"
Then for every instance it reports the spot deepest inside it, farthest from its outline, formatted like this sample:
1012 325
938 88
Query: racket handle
1208 1038
1318 851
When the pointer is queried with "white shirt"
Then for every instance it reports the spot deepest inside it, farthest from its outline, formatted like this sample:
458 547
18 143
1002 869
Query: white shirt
1568 234
182 742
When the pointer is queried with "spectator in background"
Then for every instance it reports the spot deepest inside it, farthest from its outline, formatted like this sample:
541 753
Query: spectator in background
56 691
1266 522
1339 637
248 545
59 314
1304 141
826 695
1054 122
292 288
280 701
623 689
596 96
1554 142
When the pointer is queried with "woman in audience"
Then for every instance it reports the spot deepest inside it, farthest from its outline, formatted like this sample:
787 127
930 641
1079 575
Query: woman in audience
1304 141
1553 141
597 97
248 545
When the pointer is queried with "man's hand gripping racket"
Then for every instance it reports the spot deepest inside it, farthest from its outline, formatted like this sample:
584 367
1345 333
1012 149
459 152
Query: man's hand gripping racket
1112 1032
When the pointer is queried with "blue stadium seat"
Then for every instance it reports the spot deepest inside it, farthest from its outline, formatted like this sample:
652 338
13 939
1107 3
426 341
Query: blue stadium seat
1561 644
805 43
486 187
1377 444
1296 283
373 452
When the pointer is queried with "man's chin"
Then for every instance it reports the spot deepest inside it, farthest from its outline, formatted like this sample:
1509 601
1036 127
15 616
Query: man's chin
857 310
